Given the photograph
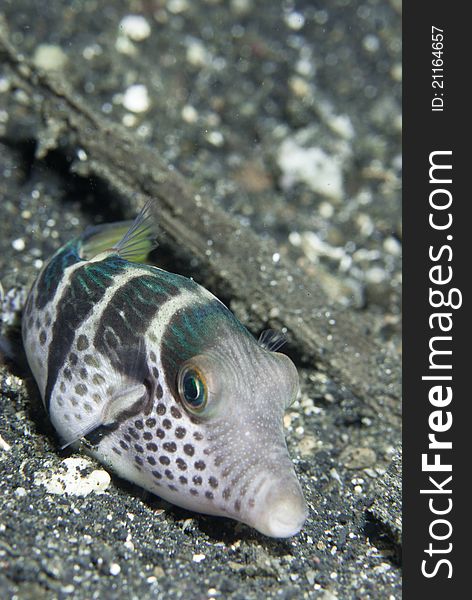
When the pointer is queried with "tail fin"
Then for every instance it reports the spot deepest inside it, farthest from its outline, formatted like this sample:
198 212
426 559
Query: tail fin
132 240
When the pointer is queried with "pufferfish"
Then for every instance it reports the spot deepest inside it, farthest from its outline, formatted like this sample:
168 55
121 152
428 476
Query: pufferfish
161 382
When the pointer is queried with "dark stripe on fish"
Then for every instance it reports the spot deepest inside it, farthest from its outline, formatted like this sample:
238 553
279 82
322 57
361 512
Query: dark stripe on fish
86 287
52 275
127 317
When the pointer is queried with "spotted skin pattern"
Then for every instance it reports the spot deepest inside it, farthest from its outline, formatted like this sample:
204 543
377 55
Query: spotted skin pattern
107 338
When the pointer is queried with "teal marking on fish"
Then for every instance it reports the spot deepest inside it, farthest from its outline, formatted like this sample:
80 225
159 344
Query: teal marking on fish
161 382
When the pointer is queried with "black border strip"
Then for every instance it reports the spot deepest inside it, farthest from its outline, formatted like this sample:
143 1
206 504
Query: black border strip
427 131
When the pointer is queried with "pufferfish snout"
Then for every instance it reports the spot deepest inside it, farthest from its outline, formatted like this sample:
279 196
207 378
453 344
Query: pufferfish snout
162 381
253 477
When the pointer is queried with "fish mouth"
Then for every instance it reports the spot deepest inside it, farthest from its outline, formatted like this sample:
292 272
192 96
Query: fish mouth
280 509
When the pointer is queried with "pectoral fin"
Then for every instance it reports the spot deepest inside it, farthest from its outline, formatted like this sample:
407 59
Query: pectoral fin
121 405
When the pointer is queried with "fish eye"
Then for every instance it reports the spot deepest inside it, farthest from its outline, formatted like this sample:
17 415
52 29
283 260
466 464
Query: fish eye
193 389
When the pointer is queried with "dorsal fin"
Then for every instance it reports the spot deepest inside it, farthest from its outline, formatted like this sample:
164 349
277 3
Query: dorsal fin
132 240
272 340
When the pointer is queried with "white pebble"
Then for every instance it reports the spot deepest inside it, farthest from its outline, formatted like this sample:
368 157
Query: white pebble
326 210
69 478
198 558
49 57
177 6
115 569
215 138
321 172
19 244
375 275
241 7
341 124
197 54
392 246
371 43
136 99
129 120
90 52
135 27
396 72
295 20
299 86
295 238
4 445
124 45
4 84
189 113
305 67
